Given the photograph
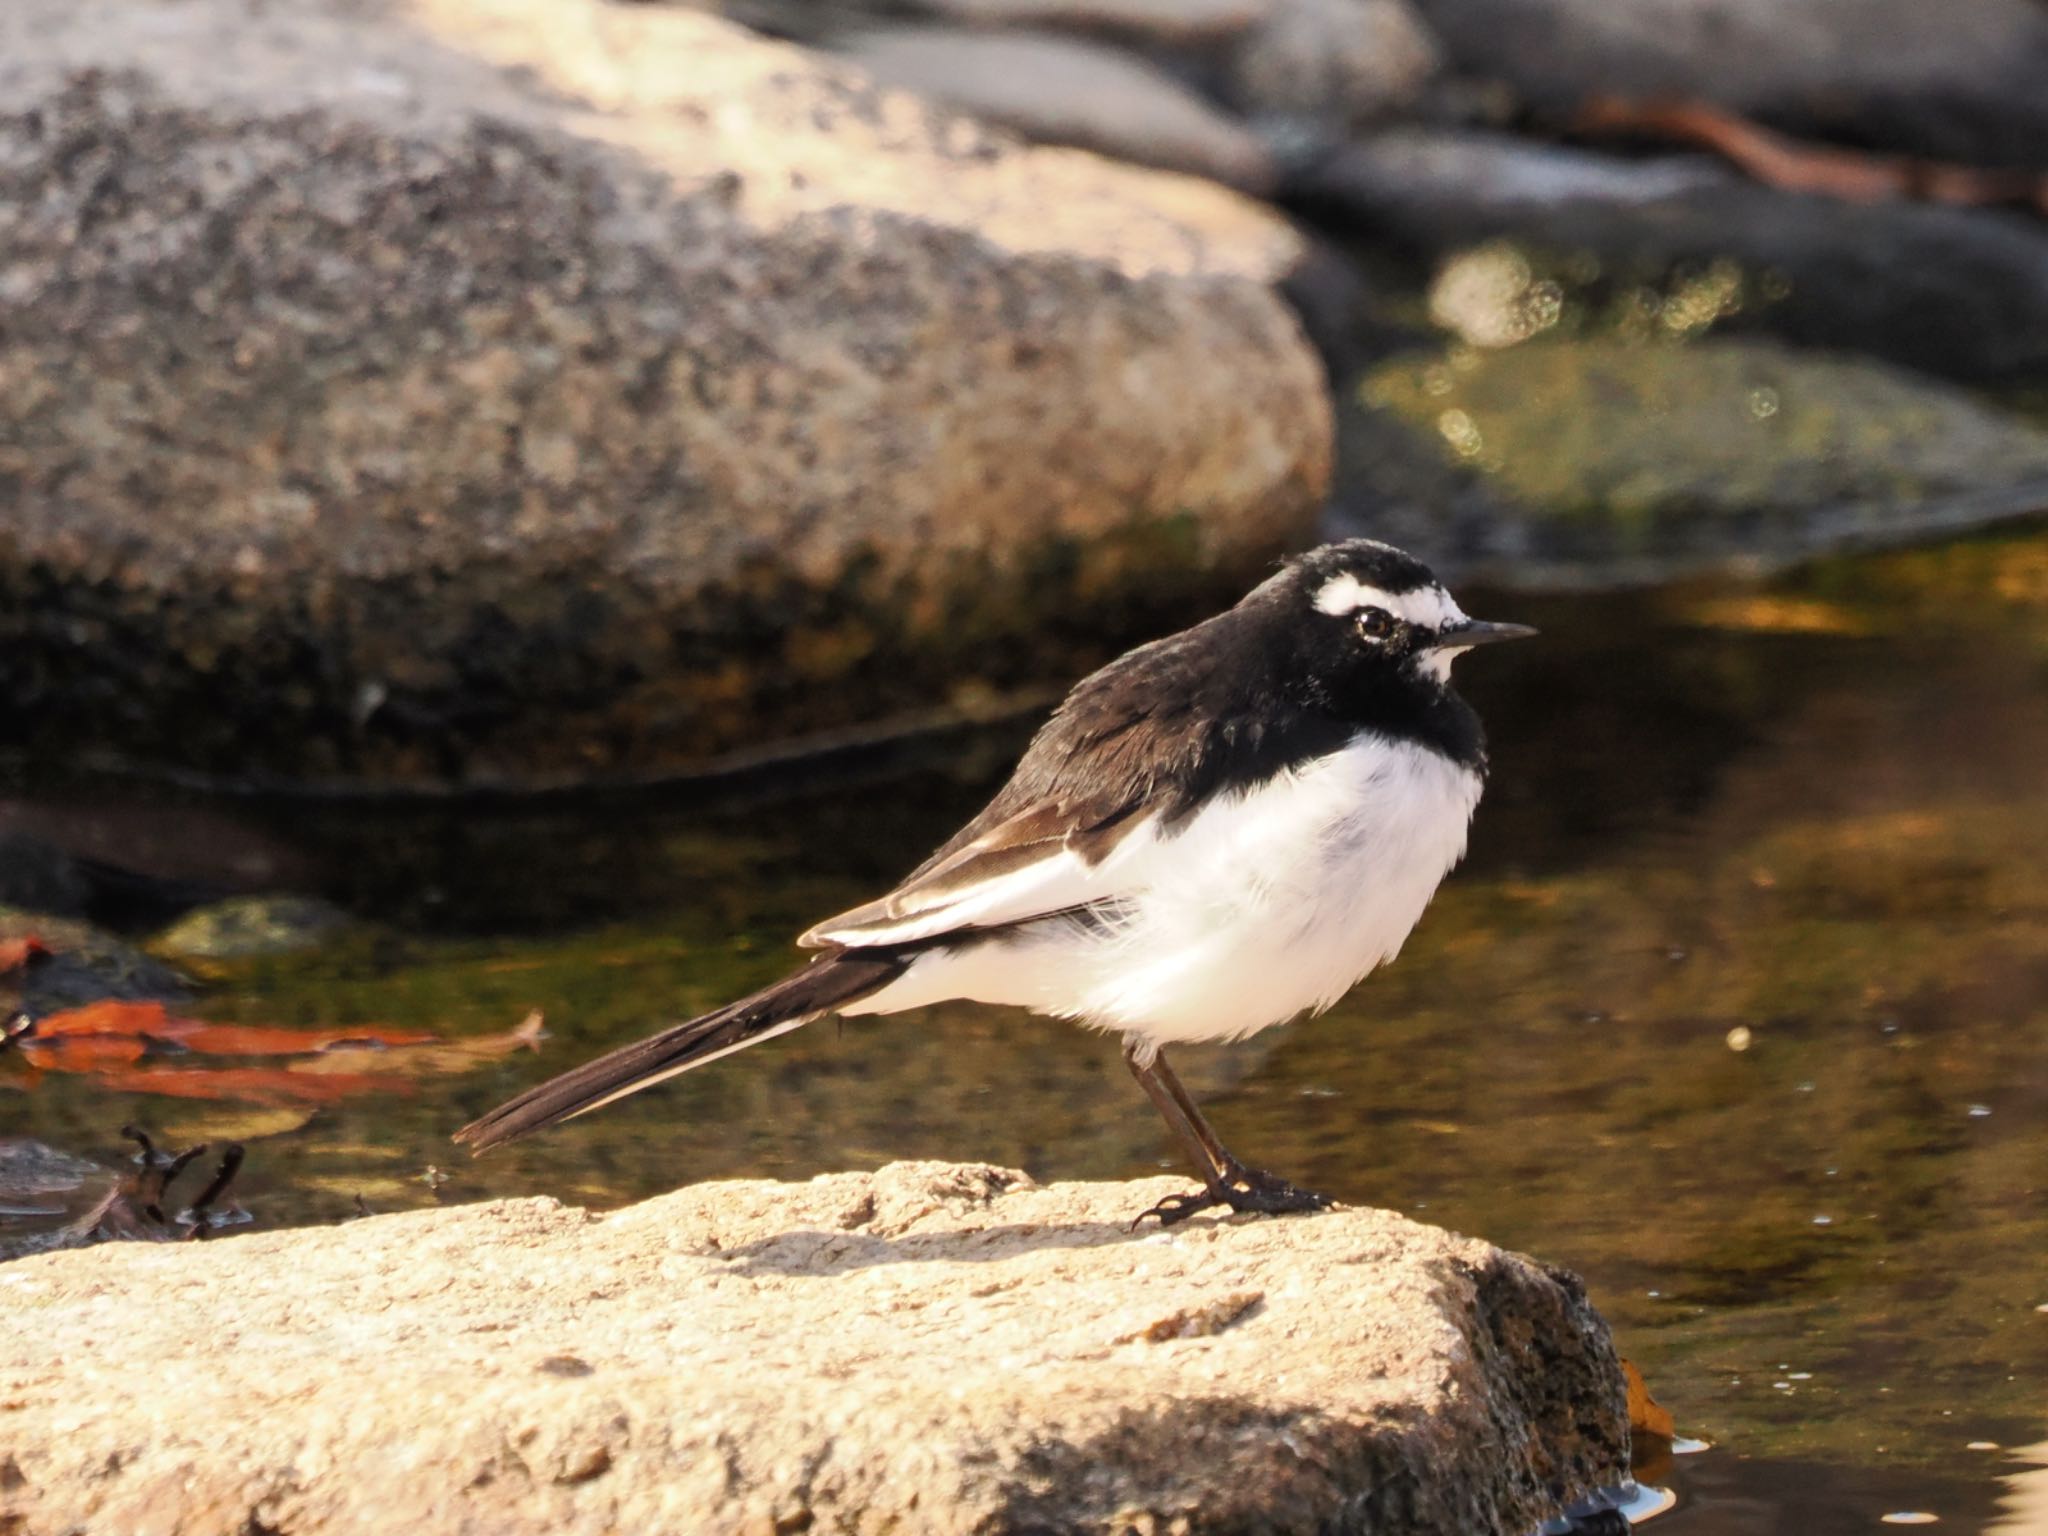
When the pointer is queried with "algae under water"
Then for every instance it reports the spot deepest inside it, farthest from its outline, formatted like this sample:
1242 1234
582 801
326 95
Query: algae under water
1739 1009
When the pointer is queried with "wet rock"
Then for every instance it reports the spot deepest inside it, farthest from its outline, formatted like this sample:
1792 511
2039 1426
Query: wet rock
495 391
1064 90
144 1203
933 1347
147 860
84 965
1334 63
245 926
1959 81
1603 460
1962 292
38 875
35 1179
44 1192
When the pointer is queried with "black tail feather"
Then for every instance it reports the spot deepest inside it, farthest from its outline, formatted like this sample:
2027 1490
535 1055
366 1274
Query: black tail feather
818 988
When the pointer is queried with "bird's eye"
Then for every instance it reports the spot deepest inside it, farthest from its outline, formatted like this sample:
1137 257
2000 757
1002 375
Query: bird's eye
1375 623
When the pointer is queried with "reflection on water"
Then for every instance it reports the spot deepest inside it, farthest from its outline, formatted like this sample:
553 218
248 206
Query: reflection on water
1740 1008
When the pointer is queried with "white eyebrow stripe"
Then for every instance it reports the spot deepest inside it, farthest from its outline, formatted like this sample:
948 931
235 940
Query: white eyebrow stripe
1347 594
1429 607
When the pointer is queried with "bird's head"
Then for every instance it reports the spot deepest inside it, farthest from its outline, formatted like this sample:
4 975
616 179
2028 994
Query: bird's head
1370 611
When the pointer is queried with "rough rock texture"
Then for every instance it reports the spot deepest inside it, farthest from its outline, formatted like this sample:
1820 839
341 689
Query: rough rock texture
487 390
1337 62
1962 292
1959 81
930 1348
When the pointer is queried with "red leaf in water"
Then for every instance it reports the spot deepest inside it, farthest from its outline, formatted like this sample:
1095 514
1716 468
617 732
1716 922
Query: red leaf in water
253 1085
108 1017
262 1040
82 1053
1646 1416
152 1021
435 1059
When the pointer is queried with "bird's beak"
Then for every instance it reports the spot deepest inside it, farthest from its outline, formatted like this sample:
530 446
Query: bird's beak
1478 632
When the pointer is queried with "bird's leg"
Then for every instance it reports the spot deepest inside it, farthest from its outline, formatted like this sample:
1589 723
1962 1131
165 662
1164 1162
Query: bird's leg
1229 1182
1195 1137
1267 1191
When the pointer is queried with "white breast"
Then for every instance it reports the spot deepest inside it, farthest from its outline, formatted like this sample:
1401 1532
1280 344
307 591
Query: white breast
1257 908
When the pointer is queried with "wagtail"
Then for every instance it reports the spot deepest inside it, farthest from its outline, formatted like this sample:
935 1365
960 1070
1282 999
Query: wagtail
1212 834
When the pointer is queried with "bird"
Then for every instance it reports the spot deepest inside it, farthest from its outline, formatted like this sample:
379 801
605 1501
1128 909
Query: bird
1215 833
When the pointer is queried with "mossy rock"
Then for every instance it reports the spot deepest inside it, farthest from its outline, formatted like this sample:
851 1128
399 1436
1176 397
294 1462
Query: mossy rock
247 926
1646 456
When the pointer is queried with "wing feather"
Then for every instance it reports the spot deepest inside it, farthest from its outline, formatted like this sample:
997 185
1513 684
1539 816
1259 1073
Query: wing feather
1133 750
1047 858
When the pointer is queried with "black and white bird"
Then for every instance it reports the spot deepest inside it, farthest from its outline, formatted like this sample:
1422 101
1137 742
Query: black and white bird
1214 833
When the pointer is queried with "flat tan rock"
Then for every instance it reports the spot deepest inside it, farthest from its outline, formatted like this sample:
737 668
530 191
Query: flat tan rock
930 1348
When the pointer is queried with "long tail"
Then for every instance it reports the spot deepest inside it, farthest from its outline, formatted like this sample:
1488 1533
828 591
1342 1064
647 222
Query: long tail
789 1004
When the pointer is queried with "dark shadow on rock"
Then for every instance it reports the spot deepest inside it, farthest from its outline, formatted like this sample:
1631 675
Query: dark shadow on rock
807 1252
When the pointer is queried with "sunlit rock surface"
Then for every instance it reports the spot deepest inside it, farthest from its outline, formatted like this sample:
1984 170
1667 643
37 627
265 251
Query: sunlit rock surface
486 391
930 1348
1062 90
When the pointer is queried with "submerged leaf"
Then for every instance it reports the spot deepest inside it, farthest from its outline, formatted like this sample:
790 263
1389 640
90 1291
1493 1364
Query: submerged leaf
1646 1416
82 1053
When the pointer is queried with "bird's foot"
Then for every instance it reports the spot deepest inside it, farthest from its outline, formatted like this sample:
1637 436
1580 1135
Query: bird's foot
1178 1208
1245 1191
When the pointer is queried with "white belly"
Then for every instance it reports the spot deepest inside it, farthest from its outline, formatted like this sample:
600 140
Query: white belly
1257 908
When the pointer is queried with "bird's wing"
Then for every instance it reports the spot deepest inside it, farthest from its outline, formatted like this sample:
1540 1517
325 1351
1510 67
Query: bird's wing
1048 857
1134 750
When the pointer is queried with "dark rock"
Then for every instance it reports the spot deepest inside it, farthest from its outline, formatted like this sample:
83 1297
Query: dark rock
40 876
1961 81
1961 292
85 965
149 858
493 391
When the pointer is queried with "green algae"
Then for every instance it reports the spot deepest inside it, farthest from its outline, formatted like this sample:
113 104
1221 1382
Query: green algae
1644 439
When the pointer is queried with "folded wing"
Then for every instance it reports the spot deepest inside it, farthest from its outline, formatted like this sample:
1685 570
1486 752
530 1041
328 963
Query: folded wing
1045 859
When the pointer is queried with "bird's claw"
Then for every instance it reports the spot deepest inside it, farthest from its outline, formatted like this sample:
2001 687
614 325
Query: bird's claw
1246 1191
1177 1208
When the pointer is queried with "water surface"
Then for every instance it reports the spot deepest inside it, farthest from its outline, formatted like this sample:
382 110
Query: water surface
1739 1008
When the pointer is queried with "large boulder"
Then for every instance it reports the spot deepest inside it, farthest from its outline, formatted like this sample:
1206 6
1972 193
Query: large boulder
930 1348
487 391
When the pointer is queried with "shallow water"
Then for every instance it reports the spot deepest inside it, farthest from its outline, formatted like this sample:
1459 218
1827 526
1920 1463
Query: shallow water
1739 1008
